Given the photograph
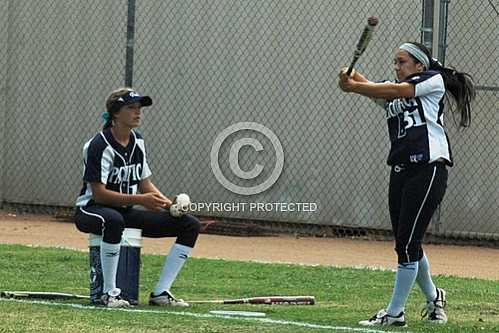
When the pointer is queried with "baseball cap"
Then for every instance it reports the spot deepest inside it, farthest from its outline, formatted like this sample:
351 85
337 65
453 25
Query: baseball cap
126 98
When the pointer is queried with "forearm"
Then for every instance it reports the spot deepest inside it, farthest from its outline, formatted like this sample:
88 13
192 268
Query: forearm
385 90
359 77
146 186
111 198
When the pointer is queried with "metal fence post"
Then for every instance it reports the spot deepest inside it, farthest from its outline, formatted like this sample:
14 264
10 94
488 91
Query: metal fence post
130 42
434 27
4 38
434 36
442 30
427 24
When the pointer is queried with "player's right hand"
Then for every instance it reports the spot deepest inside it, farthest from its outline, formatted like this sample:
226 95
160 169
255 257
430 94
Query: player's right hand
344 71
153 201
345 82
354 75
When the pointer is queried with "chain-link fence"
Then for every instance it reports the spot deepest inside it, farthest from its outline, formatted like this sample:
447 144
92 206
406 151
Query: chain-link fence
215 70
471 204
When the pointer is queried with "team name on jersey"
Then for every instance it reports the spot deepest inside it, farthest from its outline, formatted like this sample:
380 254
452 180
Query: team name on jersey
398 106
125 174
406 110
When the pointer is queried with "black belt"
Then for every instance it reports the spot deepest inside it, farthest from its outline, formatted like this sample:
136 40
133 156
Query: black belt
404 166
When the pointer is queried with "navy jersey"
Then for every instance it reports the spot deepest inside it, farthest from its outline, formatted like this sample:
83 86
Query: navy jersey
415 124
119 168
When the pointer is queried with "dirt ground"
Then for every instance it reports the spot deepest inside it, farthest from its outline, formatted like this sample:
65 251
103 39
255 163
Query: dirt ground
464 261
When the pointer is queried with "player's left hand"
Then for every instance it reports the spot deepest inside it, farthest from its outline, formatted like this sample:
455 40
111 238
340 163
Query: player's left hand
346 83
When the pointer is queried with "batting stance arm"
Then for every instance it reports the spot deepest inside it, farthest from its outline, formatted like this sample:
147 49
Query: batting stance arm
104 196
384 90
356 76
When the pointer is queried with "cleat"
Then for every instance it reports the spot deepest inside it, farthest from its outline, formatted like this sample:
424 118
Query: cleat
382 318
112 299
166 298
434 311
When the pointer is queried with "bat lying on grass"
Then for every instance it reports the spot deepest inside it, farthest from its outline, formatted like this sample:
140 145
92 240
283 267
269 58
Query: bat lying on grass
291 300
297 300
40 295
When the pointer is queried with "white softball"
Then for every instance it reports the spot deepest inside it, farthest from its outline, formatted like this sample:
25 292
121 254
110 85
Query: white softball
175 211
183 202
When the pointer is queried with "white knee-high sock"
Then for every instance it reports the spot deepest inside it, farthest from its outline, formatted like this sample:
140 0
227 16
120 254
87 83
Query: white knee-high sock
404 280
109 258
173 264
424 279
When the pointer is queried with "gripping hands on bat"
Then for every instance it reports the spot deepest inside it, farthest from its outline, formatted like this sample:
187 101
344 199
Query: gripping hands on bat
347 82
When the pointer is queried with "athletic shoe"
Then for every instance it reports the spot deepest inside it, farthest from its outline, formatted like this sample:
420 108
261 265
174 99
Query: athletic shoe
112 299
435 309
166 298
382 318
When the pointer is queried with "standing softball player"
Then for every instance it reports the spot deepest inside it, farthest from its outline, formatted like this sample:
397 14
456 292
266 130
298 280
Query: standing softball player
419 156
116 177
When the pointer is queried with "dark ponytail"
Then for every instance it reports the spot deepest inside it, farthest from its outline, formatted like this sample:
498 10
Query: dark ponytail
458 85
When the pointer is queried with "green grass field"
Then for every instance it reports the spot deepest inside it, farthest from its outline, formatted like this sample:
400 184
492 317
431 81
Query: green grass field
344 296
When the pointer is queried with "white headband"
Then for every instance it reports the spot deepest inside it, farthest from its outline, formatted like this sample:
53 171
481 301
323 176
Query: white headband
416 53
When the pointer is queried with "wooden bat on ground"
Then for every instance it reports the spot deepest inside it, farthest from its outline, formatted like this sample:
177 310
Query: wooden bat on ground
40 295
295 300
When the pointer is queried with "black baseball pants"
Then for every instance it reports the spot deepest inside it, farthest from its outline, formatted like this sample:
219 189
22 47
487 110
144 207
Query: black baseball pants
414 195
111 221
